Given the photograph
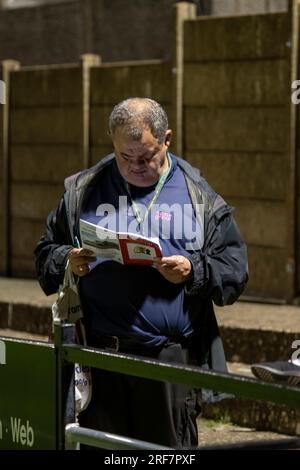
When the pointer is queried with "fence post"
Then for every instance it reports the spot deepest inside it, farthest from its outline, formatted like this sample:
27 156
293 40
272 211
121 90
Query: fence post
87 61
182 11
7 67
64 334
292 268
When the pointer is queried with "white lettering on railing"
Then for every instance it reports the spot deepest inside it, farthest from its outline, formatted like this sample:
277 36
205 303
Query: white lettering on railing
2 92
2 352
296 354
21 433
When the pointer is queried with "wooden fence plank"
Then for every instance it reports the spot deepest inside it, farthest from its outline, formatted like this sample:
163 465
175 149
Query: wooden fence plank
99 125
1 184
262 223
23 267
99 152
238 37
25 235
291 252
109 85
45 163
268 275
46 87
298 277
34 201
8 66
242 174
46 125
237 129
244 83
1 242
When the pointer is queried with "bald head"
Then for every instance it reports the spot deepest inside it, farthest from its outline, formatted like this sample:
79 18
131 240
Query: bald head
136 114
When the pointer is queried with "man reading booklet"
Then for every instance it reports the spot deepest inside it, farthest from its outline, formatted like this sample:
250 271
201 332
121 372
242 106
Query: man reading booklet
160 306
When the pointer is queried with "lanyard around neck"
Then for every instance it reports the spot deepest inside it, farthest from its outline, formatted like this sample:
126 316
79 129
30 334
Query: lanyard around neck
158 188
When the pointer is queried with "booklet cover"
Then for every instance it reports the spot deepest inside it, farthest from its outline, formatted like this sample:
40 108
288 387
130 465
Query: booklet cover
126 248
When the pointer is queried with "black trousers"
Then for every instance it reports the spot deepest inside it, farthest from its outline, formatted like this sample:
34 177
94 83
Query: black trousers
149 410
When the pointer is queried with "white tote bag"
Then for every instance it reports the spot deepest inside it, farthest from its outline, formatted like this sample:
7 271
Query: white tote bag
67 308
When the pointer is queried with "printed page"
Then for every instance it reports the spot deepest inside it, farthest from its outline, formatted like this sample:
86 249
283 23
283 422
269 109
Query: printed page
126 248
104 243
139 250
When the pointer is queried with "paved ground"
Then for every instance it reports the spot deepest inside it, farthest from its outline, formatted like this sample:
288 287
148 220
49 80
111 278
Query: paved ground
22 334
214 433
25 291
264 317
242 314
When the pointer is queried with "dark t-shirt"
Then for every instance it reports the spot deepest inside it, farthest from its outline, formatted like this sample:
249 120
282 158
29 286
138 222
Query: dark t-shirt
137 301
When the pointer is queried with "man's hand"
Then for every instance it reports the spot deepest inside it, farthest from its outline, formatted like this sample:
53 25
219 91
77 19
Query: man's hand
79 259
175 268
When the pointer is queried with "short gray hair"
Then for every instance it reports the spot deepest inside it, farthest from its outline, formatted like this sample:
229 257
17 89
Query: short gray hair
134 114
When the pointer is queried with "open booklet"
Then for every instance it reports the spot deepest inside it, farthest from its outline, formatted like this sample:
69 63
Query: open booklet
126 248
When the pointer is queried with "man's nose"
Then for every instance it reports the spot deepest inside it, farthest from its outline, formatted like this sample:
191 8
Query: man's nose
138 163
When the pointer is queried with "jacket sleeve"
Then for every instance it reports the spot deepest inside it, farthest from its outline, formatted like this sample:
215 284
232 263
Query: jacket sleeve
52 250
220 271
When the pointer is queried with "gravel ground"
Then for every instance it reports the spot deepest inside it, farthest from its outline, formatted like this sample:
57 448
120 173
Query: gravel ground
22 334
213 433
264 317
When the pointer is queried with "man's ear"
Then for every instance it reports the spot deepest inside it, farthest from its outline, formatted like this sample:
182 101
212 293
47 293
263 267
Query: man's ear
168 137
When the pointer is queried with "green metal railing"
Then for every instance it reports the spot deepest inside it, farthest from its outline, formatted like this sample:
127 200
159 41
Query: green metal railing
105 440
37 402
237 385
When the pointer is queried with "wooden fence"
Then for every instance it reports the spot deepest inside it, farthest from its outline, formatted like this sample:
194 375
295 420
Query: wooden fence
229 94
51 136
238 130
